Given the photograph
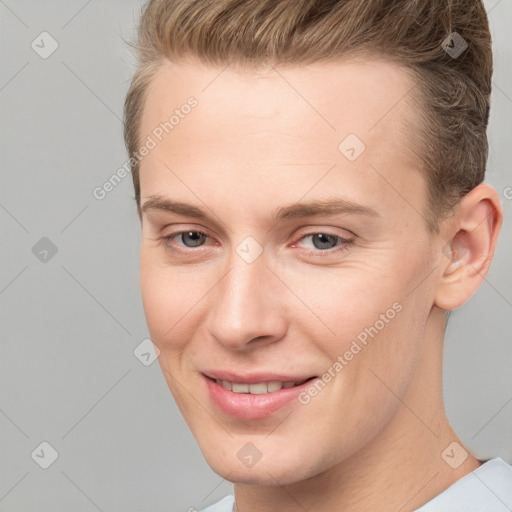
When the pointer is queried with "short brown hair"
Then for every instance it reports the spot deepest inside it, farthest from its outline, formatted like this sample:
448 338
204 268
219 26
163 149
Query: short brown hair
453 91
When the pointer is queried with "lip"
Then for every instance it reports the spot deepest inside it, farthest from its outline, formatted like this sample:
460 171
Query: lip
254 378
246 406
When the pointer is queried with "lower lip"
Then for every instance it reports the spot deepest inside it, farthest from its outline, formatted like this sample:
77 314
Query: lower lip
252 407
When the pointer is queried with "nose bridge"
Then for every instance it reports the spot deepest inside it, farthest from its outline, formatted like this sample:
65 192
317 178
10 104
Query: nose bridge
242 306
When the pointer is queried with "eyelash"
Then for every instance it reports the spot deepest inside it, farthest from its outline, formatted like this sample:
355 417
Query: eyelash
343 243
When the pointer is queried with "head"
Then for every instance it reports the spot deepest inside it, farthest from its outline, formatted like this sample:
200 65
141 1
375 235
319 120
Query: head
312 205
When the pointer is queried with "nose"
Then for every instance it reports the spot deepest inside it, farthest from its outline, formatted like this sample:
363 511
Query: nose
247 308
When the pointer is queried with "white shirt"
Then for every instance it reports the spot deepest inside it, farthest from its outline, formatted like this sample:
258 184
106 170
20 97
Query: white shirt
487 489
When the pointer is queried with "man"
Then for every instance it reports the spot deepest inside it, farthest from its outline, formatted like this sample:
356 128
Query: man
309 180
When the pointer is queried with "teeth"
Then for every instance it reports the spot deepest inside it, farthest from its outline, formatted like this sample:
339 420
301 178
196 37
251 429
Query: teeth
274 386
240 388
227 385
259 388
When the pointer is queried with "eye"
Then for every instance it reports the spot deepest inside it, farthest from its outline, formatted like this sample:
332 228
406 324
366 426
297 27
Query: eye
196 238
322 240
191 238
315 244
323 244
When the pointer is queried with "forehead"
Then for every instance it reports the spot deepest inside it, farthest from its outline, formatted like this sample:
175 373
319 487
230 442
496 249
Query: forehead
282 123
326 99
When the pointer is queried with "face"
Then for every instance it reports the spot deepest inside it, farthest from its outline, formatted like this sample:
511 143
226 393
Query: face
281 259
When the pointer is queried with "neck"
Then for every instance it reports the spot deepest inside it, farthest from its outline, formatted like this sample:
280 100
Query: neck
401 469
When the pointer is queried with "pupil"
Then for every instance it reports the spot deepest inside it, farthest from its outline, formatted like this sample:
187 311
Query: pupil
323 241
195 237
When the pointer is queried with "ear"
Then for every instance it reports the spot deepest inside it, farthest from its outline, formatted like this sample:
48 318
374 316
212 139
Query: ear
471 235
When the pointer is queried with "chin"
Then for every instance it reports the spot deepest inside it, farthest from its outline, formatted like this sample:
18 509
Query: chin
258 475
274 469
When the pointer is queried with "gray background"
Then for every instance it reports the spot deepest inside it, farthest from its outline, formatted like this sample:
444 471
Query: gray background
70 324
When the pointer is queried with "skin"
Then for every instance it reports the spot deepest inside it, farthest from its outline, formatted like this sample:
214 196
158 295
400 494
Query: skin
372 439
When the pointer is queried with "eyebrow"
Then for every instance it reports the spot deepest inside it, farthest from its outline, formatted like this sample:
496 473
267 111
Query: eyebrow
295 211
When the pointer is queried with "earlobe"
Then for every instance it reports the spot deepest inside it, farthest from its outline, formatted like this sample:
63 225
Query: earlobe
471 235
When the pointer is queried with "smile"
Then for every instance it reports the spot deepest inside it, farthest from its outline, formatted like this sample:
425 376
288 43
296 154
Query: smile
259 388
262 396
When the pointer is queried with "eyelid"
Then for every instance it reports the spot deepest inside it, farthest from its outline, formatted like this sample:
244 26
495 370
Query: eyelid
167 240
325 230
343 240
178 229
342 244
333 235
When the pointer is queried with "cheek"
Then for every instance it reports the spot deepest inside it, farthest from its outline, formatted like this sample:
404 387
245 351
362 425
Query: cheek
166 300
175 301
356 303
378 326
155 298
390 336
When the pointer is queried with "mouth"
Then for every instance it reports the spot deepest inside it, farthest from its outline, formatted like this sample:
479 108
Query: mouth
250 398
259 388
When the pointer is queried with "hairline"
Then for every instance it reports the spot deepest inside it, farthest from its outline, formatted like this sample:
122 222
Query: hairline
411 127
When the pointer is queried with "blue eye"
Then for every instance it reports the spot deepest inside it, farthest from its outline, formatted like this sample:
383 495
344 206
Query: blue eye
317 244
196 238
323 240
192 238
325 244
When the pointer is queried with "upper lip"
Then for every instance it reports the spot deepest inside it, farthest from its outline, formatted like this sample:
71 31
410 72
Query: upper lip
254 378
